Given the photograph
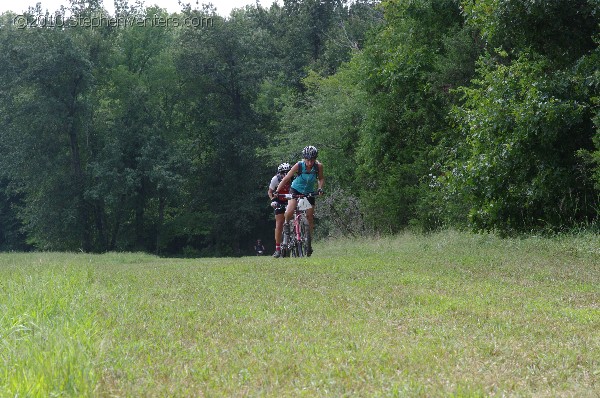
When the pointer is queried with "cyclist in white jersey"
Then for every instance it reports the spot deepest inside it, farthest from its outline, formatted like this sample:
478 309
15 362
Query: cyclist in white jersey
278 204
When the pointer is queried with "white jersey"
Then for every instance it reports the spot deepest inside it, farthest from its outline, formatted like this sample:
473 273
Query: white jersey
274 183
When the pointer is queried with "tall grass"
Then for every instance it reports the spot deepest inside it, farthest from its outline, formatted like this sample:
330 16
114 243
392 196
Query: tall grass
447 314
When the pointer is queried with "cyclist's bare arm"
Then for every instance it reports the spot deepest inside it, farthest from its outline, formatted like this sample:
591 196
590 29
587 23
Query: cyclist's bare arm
321 177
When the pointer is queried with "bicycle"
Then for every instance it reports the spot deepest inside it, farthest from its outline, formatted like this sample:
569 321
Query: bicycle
298 244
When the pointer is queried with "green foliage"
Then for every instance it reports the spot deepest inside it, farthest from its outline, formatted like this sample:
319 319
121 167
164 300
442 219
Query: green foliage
137 167
406 72
45 106
350 25
378 118
340 213
164 139
328 116
522 129
11 235
223 68
588 78
561 30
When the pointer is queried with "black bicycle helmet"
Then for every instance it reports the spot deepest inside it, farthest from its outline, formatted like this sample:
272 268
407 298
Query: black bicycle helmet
283 168
309 152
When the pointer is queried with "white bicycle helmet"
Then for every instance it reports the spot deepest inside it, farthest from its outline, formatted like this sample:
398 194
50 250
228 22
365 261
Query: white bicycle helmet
283 168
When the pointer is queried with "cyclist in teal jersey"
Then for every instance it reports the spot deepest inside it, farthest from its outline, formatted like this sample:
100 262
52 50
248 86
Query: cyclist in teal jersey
309 176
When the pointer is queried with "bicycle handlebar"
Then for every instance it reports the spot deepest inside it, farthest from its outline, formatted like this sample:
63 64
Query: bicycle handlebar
297 196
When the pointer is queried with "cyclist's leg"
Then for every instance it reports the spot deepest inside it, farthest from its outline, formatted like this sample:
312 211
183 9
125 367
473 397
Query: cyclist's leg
289 212
278 232
310 215
278 227
286 230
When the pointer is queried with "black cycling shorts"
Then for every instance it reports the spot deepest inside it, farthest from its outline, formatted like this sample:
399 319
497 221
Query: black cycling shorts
280 209
311 199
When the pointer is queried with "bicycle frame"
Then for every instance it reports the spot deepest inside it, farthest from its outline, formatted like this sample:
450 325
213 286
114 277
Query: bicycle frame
297 243
300 215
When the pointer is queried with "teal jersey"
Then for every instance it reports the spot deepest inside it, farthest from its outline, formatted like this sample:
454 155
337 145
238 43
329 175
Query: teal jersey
307 180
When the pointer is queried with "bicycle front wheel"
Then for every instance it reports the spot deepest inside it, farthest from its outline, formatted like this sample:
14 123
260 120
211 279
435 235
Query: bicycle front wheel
300 249
305 234
294 249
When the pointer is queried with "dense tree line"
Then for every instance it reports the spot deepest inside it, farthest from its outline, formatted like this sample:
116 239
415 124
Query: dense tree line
427 113
473 114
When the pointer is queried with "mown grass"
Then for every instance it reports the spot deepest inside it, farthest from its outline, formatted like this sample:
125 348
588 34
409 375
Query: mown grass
448 314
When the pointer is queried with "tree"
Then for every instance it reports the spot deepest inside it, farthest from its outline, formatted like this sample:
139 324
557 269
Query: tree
223 67
44 109
560 30
523 131
407 70
138 163
527 119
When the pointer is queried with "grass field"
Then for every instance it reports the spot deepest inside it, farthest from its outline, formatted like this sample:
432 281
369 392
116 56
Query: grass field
447 314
